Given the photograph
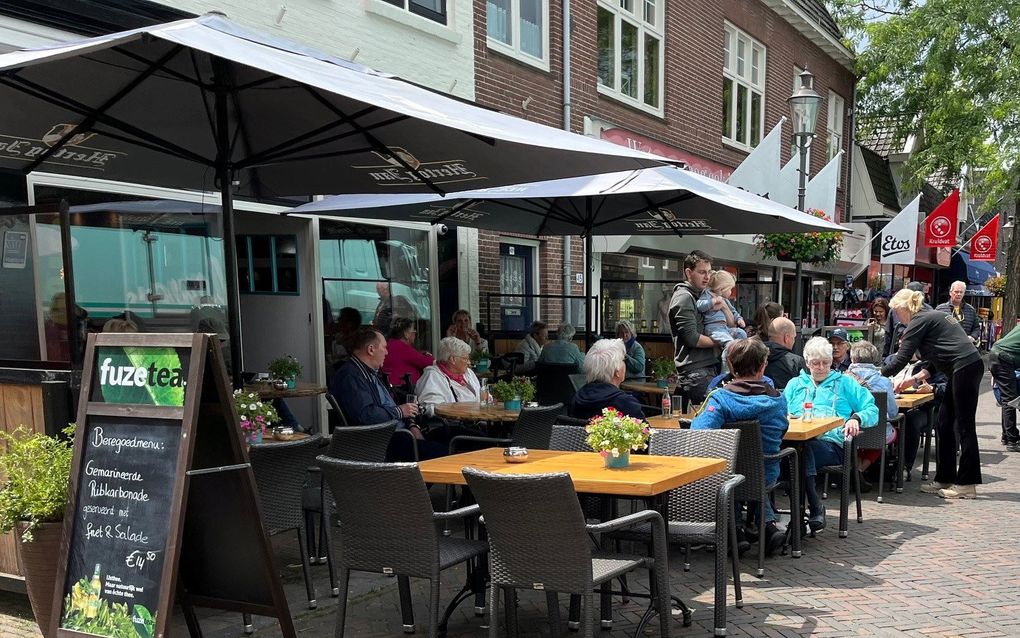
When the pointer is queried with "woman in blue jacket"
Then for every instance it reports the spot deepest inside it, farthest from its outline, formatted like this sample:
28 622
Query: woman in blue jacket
830 392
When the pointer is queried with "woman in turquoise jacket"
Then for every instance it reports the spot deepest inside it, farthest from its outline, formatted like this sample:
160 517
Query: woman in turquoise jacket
830 392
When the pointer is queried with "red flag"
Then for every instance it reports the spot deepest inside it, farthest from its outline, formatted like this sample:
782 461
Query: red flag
985 242
940 225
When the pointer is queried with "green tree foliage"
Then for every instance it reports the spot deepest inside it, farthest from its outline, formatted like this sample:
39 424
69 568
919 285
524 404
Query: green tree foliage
949 72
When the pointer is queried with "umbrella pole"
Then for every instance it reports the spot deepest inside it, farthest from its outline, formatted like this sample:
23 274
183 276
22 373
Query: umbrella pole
588 252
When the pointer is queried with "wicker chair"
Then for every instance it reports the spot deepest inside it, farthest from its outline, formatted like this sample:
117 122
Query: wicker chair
553 384
702 512
532 430
578 380
387 526
751 464
563 419
537 538
280 471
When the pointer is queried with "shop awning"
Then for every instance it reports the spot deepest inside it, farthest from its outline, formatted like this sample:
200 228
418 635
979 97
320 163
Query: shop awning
973 273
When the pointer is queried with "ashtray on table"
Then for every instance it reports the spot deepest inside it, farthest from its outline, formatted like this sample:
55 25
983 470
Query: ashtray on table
515 454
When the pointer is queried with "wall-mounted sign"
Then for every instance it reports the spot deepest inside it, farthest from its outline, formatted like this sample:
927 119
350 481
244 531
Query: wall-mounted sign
15 249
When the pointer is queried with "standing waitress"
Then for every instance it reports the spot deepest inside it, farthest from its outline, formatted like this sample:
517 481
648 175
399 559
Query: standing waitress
942 343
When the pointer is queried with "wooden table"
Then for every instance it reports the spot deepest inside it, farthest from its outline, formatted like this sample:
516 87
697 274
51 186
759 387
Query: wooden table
911 400
464 411
648 387
801 430
269 391
646 477
668 422
267 438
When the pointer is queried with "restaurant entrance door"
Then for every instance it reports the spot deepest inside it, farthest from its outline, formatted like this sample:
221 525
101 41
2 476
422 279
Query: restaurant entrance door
516 277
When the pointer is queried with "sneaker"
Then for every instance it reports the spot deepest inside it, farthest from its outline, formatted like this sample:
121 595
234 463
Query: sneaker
934 487
959 491
816 520
774 538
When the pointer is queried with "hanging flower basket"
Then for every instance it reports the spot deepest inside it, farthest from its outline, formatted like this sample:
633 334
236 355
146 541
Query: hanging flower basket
813 248
996 285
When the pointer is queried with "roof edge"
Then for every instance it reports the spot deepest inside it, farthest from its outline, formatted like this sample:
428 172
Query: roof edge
813 31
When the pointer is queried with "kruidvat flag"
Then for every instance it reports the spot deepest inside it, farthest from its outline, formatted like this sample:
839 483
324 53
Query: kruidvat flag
899 237
985 242
784 190
821 190
759 171
940 225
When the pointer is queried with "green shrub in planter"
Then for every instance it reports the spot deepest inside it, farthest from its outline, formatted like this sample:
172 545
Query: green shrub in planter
663 368
37 469
519 387
285 368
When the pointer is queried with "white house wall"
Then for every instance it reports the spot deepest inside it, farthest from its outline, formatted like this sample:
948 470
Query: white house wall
372 32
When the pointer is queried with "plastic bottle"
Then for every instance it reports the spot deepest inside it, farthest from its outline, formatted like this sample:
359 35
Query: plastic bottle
667 405
808 413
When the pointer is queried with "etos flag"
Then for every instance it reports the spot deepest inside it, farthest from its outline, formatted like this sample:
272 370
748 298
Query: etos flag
940 225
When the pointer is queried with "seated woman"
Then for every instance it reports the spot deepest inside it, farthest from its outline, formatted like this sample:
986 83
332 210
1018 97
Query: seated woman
531 345
461 328
450 380
827 390
864 361
635 359
605 370
563 350
401 356
747 396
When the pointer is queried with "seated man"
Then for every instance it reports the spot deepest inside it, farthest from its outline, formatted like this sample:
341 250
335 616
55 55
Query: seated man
605 370
365 399
783 364
840 341
749 397
531 346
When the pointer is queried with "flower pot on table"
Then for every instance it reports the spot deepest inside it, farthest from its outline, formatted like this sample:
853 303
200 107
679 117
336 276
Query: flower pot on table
512 405
482 365
291 383
617 462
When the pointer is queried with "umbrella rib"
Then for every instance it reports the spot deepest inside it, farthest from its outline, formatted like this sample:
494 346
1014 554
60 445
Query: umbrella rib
288 146
677 199
91 118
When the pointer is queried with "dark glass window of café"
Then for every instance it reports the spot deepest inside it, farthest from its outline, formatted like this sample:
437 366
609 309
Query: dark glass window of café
157 263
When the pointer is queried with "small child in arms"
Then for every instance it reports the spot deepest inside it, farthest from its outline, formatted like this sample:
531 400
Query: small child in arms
723 322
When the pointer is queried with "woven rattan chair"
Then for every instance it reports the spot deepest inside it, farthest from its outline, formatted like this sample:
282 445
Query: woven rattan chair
280 471
553 384
569 438
578 380
702 512
751 464
387 526
563 419
538 540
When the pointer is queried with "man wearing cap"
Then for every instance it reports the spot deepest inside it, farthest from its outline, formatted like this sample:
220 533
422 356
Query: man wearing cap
894 329
965 313
840 341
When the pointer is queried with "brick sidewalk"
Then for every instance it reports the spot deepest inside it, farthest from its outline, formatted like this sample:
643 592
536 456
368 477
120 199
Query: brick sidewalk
918 566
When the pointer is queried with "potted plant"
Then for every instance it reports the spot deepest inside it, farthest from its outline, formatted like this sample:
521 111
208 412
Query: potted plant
286 369
814 248
253 416
662 370
996 285
513 392
33 495
480 360
614 435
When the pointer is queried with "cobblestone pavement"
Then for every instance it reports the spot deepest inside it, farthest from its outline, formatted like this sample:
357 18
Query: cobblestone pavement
917 566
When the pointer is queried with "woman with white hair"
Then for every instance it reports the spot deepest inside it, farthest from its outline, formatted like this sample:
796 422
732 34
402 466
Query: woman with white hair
451 379
942 343
635 359
605 370
838 394
563 350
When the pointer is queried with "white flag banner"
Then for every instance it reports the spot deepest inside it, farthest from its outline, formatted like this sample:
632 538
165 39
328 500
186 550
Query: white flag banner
899 237
759 171
821 190
784 190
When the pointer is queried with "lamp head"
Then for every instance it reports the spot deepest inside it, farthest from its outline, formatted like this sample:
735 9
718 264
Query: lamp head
804 105
1009 223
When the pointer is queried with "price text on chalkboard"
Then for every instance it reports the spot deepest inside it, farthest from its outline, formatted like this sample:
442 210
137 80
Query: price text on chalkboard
121 520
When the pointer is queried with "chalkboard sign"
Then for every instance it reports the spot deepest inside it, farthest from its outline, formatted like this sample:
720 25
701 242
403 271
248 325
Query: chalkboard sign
156 419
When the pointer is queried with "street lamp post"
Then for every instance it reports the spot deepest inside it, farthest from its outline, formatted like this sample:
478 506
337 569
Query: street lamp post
804 105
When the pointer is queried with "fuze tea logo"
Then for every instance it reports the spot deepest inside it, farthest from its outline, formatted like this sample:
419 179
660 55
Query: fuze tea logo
140 375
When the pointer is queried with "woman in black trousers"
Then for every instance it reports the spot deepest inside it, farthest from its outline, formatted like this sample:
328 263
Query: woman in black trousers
941 341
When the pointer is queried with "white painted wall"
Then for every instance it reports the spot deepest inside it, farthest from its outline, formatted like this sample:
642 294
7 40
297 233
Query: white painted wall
277 325
372 32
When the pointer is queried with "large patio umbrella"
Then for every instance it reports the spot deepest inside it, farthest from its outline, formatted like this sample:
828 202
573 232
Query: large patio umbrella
651 201
205 104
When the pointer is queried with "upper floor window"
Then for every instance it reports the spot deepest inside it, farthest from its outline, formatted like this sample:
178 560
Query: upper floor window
630 44
834 127
519 28
431 9
743 88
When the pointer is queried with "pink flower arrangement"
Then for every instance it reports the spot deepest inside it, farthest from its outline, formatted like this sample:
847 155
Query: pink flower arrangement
613 433
252 414
813 247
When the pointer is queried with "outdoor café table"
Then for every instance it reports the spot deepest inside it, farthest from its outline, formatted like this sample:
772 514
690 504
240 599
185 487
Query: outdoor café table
906 402
647 477
465 411
269 391
648 387
798 434
670 422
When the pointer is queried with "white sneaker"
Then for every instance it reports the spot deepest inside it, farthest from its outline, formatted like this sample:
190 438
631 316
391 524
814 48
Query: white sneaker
934 487
959 491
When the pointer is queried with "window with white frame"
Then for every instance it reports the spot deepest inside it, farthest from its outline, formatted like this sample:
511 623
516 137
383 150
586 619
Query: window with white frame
630 45
431 9
834 127
743 87
519 28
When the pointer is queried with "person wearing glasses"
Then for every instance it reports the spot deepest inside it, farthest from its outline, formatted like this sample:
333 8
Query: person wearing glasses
450 379
696 356
831 393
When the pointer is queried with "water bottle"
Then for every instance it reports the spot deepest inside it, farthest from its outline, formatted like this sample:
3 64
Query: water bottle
667 405
483 394
808 413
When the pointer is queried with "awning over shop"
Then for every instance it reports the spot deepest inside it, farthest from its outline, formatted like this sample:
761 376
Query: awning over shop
974 273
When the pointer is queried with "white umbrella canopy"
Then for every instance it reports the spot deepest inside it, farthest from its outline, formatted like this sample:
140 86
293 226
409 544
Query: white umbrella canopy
205 104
